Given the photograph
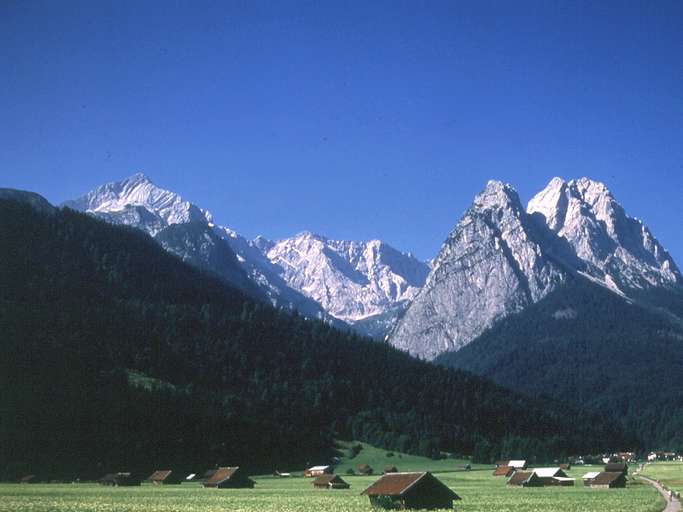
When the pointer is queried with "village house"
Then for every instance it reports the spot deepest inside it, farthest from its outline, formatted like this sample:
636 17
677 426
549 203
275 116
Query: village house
229 478
317 471
410 491
553 476
330 482
525 479
165 477
608 480
503 471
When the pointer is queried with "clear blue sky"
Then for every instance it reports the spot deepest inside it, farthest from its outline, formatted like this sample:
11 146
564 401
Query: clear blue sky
352 119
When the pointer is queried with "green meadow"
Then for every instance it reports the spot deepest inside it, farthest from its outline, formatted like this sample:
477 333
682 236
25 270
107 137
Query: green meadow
479 491
669 473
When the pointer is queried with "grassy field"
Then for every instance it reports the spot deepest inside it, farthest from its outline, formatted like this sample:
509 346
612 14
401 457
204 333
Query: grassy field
669 473
479 491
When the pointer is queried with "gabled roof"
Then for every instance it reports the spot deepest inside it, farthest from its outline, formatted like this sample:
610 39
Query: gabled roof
398 484
318 468
549 472
503 471
328 479
607 477
222 474
521 477
590 475
159 475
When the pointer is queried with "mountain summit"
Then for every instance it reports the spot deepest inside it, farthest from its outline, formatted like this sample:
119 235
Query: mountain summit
366 284
618 250
501 258
492 264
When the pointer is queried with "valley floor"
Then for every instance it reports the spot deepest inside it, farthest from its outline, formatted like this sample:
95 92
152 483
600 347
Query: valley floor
480 492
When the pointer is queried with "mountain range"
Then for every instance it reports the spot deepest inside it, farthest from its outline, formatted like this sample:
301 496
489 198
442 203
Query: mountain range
348 283
546 299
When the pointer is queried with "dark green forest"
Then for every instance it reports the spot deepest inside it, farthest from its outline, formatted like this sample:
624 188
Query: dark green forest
586 345
84 303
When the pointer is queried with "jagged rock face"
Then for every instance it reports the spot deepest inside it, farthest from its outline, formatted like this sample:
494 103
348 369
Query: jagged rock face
138 202
618 250
348 280
351 280
491 265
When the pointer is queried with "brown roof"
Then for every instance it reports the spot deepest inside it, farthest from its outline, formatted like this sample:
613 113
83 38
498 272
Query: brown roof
503 471
519 477
397 484
328 479
221 475
159 475
606 477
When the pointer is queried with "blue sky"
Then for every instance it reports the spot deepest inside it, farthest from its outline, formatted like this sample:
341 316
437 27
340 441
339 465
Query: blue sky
352 119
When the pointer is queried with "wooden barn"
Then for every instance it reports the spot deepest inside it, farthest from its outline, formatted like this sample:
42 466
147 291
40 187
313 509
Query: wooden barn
503 471
609 480
553 476
206 475
565 467
365 469
390 469
617 467
330 482
589 477
410 491
229 478
121 479
165 477
525 479
517 464
318 471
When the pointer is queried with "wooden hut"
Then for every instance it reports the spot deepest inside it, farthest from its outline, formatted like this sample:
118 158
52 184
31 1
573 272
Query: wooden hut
553 476
206 475
390 469
365 469
525 479
330 482
503 471
609 480
617 467
317 471
229 478
121 479
589 477
410 491
165 477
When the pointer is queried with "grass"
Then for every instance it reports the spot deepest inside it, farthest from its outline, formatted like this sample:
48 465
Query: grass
480 492
669 473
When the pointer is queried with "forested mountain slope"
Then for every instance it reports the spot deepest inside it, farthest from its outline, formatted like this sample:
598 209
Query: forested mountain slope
83 302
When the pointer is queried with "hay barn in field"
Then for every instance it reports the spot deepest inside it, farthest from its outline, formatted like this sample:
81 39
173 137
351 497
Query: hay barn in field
609 480
553 476
330 482
589 477
503 471
410 491
121 479
617 467
525 479
229 478
318 471
165 477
